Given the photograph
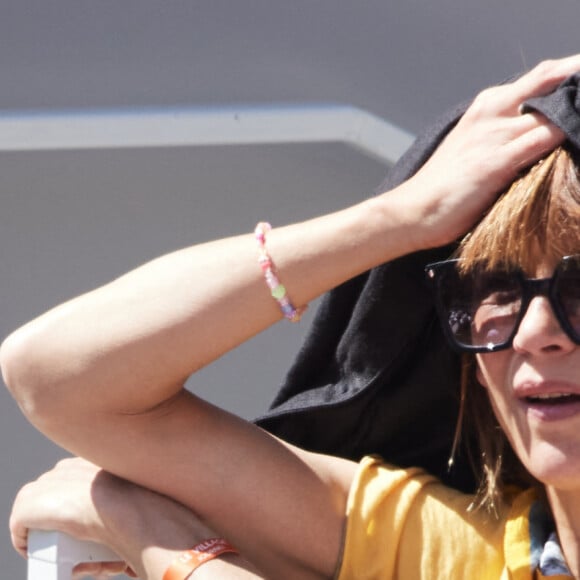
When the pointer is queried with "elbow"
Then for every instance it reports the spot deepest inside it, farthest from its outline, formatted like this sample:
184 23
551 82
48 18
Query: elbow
27 371
14 367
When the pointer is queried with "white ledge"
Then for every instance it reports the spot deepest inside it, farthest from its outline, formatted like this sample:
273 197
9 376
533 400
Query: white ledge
192 126
53 555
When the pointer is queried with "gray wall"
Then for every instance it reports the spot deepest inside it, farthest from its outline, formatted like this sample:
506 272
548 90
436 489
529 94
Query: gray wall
72 220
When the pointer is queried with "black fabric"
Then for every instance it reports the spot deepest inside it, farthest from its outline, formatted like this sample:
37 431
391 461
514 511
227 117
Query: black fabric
562 107
375 374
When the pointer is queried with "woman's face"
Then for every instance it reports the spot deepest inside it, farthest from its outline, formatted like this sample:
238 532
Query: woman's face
534 388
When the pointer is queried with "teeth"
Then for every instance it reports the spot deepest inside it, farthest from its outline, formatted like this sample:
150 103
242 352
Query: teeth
552 396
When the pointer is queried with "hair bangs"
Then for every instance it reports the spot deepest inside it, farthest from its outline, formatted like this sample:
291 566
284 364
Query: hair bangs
538 218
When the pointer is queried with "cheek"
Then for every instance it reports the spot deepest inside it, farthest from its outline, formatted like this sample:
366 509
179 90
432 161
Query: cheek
491 369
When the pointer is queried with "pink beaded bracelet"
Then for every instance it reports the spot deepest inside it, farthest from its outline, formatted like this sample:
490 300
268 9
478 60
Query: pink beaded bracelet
277 289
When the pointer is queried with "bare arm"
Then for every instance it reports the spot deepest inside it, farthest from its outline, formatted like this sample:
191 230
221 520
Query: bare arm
103 374
146 530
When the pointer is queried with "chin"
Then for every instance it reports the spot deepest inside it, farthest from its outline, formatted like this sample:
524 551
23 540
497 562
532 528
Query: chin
554 467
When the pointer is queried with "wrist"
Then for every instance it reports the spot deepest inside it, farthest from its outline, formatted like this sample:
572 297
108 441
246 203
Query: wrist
228 565
231 566
189 561
420 208
147 530
395 223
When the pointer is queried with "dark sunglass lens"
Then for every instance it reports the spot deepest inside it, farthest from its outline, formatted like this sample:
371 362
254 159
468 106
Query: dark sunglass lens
481 307
567 290
498 302
455 296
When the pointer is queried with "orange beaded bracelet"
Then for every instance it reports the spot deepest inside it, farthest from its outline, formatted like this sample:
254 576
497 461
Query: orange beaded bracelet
187 562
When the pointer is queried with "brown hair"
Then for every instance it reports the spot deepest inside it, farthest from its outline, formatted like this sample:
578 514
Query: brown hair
538 217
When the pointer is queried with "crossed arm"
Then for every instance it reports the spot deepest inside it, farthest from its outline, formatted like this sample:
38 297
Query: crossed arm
103 374
145 529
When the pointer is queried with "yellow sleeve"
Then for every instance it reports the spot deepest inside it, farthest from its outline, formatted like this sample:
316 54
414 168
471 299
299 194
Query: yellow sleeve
404 524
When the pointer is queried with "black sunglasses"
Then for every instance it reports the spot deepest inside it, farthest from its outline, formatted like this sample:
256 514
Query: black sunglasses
481 309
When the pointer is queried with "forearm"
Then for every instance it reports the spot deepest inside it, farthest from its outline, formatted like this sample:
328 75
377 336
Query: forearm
146 530
150 532
149 553
131 344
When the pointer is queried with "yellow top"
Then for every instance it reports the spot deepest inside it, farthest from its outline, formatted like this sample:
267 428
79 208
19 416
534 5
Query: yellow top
405 524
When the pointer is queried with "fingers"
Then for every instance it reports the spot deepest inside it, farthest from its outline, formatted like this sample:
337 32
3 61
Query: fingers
99 569
533 135
507 99
18 529
545 77
53 501
534 145
536 140
495 113
19 539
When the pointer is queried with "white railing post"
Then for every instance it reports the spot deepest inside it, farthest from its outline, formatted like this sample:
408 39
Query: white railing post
53 555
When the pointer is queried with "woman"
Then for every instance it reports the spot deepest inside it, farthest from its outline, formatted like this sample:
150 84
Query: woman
103 374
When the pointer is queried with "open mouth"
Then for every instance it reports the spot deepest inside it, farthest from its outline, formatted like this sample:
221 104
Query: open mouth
553 399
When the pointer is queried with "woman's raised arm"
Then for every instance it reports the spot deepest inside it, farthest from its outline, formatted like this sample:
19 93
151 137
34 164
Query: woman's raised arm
163 321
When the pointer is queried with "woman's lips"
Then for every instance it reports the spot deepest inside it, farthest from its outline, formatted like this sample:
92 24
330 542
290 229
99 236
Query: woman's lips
550 401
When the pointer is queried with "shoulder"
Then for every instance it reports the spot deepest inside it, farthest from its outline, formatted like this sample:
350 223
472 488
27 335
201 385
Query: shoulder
385 497
404 523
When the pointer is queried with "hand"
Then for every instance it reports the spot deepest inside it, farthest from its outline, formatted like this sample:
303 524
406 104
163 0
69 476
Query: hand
146 529
484 153
63 499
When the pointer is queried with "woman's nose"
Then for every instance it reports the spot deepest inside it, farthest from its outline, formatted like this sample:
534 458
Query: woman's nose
540 331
